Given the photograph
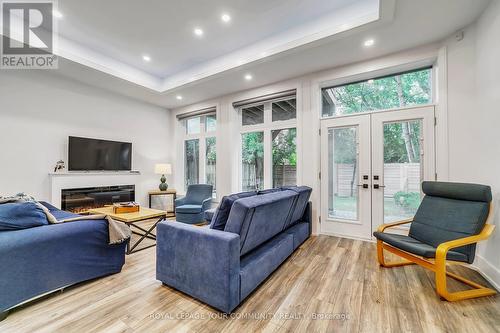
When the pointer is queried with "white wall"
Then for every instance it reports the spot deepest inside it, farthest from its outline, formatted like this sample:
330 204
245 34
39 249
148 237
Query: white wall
474 118
39 110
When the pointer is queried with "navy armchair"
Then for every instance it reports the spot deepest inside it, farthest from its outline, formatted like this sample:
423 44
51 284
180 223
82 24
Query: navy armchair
190 209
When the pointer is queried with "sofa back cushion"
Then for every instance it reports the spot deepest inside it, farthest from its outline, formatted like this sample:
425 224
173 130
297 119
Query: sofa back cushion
259 218
450 211
221 214
299 208
21 215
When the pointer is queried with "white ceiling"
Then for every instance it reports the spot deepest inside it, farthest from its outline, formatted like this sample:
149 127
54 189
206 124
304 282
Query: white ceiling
124 30
102 42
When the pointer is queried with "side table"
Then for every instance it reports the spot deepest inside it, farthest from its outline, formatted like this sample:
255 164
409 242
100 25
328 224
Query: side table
168 192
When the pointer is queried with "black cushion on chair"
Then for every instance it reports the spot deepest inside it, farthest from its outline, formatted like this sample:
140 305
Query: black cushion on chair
416 247
458 191
450 211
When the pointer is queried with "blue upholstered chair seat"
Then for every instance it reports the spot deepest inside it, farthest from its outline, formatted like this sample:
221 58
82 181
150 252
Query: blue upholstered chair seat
190 209
416 247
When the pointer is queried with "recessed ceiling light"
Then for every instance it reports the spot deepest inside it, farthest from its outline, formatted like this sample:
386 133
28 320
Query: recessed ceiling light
146 58
179 97
57 14
369 42
198 32
225 18
248 77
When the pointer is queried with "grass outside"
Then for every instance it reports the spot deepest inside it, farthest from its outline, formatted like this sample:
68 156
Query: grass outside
345 207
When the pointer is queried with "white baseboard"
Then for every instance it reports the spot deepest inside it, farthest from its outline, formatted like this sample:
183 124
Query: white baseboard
488 271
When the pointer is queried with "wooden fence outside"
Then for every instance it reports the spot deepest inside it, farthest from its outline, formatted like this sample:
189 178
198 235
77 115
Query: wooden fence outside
397 177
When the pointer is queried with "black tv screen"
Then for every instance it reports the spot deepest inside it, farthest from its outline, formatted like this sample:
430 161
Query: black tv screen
86 154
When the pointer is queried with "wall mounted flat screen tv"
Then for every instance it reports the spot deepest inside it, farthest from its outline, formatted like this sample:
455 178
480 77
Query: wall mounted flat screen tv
86 154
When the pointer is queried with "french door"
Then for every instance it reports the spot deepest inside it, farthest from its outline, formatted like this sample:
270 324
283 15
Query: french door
372 166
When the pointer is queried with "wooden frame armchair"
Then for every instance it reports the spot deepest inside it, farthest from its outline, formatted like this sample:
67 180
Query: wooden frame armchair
435 255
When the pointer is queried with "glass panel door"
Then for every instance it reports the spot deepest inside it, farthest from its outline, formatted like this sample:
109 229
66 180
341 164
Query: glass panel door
372 167
345 176
403 157
343 171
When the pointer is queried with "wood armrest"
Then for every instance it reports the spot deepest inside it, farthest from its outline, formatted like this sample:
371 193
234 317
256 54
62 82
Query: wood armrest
382 227
443 248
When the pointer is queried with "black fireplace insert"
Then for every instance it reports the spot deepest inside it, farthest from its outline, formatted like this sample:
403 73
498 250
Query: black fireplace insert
80 200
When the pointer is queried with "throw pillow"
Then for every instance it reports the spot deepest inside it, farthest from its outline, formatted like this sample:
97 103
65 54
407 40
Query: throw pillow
21 215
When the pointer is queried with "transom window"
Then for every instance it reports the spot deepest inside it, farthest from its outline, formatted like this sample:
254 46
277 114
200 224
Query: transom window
388 92
269 144
200 153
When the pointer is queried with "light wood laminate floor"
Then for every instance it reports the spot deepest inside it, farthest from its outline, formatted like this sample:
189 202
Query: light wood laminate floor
329 285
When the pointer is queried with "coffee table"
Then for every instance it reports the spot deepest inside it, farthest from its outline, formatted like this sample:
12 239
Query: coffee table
132 219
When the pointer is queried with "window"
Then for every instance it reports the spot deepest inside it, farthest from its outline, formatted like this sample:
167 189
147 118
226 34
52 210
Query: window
210 161
200 152
389 92
284 150
211 123
253 115
284 110
193 125
192 161
269 145
252 161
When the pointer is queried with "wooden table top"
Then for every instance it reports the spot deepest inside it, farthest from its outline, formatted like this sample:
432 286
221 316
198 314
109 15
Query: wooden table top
143 214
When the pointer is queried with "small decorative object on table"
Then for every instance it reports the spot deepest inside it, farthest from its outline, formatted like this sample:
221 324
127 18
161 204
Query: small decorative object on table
59 166
163 169
126 207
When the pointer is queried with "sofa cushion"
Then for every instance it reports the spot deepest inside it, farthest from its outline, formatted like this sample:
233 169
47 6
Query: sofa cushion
21 215
301 203
257 219
257 265
300 232
222 213
188 209
208 215
415 246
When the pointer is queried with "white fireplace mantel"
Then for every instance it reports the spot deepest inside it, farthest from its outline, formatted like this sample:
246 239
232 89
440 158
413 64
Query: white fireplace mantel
65 180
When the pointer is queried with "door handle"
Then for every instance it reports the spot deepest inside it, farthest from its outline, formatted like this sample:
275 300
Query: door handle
363 185
377 186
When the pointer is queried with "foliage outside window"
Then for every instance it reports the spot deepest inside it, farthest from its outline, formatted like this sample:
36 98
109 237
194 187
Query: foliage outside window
396 91
210 161
273 133
252 159
284 151
192 161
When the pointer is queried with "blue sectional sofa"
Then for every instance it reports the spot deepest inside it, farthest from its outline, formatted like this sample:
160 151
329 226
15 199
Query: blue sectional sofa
250 235
39 260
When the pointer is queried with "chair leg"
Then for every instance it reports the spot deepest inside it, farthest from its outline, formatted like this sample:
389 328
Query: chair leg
442 290
381 258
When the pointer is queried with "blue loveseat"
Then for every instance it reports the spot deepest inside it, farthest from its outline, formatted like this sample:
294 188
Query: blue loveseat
39 260
250 235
